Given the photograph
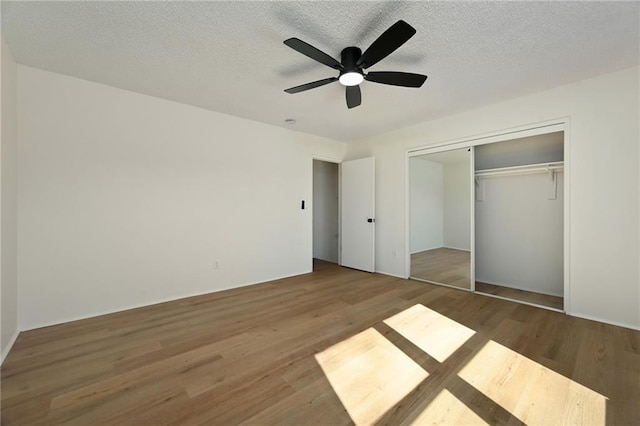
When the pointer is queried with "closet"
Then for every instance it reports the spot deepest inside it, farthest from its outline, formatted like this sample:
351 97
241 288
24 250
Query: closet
488 216
519 199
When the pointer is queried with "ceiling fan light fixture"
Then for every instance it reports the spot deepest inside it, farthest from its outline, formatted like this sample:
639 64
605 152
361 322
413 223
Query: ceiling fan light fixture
351 78
353 62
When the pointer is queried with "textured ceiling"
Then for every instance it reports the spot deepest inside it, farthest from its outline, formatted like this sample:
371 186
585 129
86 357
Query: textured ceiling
229 56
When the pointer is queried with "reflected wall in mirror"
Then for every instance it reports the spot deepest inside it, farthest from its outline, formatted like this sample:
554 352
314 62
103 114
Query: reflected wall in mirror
440 217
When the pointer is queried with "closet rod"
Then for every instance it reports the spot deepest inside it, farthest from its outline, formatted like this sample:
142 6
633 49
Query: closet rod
527 169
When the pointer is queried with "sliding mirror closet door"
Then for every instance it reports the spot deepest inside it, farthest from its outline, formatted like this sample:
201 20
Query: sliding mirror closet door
440 217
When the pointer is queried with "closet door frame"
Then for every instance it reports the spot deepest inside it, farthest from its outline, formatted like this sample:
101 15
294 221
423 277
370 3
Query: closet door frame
532 129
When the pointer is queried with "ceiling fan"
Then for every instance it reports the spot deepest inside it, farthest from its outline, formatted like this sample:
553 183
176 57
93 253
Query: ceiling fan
354 62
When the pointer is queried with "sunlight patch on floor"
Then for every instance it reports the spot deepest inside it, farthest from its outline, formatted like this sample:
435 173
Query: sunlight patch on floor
369 374
431 331
446 409
530 391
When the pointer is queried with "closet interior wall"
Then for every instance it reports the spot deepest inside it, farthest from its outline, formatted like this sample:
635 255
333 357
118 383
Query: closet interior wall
325 211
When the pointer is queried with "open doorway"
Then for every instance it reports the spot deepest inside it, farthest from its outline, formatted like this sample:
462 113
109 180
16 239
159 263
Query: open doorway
325 213
519 219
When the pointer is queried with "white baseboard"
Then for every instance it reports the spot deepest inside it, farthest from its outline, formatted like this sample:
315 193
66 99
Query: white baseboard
151 303
440 247
457 248
424 249
391 275
6 350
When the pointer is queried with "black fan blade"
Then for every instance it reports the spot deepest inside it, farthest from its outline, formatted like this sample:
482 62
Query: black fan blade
354 97
389 41
405 79
311 85
313 53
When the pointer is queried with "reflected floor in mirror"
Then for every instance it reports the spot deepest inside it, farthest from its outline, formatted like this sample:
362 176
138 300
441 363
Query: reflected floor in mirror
443 265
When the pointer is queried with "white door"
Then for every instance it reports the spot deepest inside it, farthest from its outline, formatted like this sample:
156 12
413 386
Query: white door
357 214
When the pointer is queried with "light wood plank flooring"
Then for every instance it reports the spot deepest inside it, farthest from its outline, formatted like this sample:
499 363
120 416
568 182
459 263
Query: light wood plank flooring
335 346
443 265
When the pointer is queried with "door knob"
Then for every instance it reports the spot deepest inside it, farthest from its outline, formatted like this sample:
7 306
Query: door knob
371 220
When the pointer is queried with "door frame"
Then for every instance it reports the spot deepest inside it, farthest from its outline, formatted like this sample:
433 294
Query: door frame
555 125
338 162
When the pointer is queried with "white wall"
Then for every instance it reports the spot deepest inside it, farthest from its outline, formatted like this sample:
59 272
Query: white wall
427 204
126 200
457 206
325 211
8 202
603 134
519 233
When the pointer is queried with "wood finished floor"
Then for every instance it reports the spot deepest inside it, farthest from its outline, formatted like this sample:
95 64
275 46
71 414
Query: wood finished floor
522 295
443 265
336 346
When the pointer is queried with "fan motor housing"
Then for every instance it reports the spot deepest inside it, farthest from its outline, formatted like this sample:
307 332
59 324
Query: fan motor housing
350 56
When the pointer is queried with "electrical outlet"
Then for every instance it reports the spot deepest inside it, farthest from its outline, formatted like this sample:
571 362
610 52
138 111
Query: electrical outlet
395 254
216 264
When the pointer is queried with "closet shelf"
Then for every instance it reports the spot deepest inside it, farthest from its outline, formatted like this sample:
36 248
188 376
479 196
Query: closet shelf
521 170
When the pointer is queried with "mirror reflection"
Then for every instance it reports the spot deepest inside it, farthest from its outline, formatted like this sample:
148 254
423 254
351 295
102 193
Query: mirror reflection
440 217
